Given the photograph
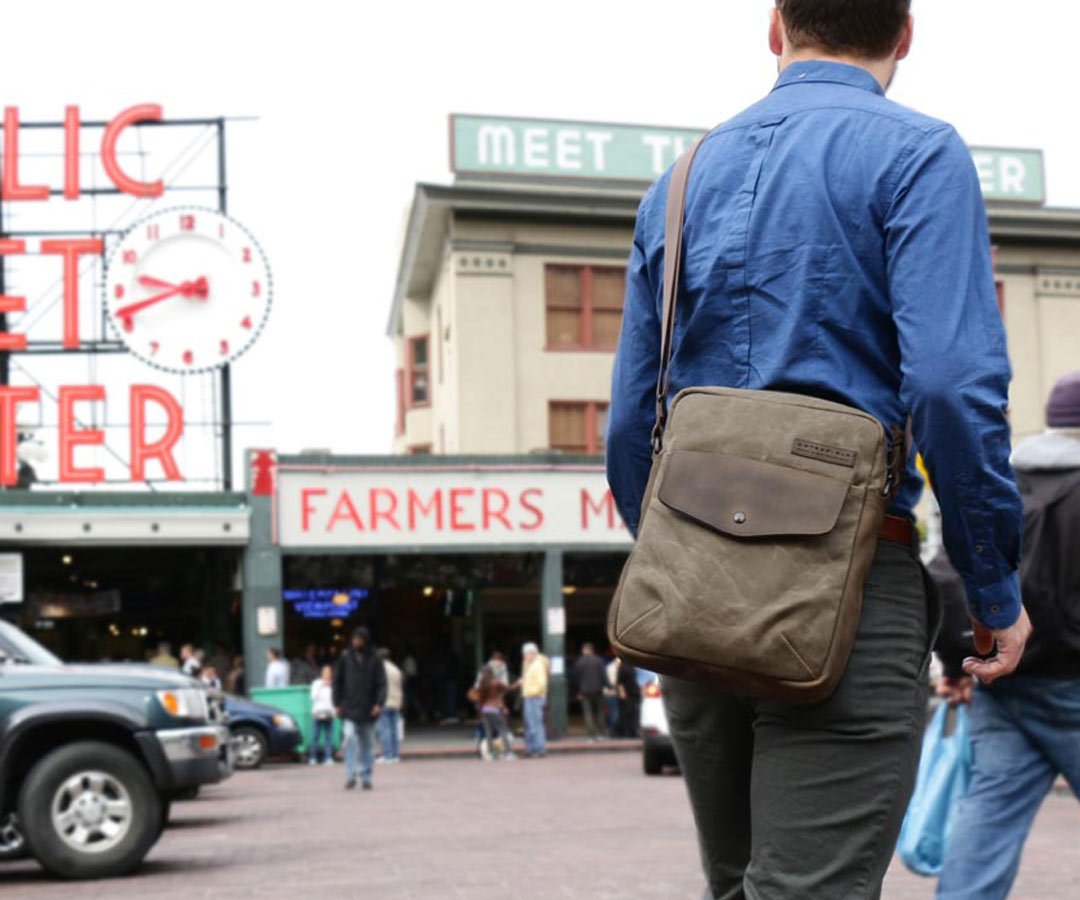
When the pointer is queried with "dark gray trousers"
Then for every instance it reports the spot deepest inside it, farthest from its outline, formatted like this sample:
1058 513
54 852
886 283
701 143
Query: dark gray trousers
805 803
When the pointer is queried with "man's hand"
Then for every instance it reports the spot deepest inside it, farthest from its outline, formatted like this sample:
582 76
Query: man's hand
1010 648
955 690
375 710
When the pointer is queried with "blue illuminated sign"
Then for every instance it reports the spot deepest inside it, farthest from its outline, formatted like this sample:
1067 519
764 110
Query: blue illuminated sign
326 603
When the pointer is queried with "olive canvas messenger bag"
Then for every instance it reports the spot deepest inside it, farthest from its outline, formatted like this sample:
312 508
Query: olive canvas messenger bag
758 527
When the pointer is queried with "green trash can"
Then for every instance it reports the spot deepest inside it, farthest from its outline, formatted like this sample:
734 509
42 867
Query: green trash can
294 700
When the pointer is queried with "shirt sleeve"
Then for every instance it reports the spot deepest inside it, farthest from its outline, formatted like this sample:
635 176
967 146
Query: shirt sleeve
955 366
633 387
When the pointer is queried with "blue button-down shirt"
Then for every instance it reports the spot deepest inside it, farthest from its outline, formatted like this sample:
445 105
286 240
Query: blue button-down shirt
836 244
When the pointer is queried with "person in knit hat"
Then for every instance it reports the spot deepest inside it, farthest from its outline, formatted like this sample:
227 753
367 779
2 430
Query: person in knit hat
1026 726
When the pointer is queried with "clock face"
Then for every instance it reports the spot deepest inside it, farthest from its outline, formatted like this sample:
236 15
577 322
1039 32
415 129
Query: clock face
187 290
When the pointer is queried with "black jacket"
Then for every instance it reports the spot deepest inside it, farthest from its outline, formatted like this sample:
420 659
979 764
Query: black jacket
1048 473
359 684
590 674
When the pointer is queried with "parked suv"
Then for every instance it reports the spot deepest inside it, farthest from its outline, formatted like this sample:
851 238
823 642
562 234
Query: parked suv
91 756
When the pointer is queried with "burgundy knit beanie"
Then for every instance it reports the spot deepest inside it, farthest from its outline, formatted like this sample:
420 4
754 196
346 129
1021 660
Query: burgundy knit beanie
1063 408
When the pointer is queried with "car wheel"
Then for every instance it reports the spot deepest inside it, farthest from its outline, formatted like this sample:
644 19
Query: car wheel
653 761
89 810
252 747
12 842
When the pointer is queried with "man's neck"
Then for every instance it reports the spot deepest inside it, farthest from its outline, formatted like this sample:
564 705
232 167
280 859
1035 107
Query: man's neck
883 70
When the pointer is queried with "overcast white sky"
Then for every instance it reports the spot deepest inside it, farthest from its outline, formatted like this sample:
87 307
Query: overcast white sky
352 100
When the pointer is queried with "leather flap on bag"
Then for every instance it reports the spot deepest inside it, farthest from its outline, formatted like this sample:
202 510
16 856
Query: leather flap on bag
749 498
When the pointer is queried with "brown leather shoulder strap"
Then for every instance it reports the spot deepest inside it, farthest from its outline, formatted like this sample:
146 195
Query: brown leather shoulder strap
673 244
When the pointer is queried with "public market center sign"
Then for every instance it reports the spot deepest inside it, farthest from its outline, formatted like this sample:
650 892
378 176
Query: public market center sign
597 150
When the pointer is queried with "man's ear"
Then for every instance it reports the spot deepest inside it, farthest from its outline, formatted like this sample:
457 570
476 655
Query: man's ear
904 47
776 33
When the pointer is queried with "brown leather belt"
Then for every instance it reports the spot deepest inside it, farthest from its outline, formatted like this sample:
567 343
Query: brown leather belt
898 529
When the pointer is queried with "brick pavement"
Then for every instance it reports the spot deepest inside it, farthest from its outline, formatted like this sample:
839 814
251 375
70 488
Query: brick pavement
563 828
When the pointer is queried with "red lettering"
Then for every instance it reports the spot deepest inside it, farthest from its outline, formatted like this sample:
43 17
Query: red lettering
161 449
526 503
9 172
383 514
10 398
345 509
433 506
9 304
306 509
71 153
146 112
71 436
71 250
499 514
606 507
457 510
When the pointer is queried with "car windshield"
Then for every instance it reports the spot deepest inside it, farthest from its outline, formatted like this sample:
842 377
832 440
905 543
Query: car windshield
16 646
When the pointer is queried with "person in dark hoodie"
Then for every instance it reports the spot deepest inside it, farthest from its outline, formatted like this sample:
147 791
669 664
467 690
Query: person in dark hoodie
359 695
1025 728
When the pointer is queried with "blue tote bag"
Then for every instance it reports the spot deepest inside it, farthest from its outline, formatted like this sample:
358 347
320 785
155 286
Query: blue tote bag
944 773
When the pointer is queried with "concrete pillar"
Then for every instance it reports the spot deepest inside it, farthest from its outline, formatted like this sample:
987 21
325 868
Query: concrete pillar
554 642
262 572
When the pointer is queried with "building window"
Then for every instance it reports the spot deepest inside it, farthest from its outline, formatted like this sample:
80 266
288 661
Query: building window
418 383
420 450
439 342
399 382
577 427
584 306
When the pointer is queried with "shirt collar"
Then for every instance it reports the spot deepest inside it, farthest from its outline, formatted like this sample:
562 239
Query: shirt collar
819 70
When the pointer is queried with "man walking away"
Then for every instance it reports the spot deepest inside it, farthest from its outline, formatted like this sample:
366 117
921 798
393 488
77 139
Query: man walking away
390 717
534 685
836 245
1026 728
590 675
277 669
359 695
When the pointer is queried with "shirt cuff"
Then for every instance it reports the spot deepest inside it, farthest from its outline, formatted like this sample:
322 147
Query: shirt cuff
996 605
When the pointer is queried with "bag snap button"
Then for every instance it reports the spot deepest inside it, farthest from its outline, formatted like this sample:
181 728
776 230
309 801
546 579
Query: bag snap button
739 518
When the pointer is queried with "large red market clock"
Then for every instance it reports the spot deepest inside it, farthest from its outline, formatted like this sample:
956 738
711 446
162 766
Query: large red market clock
187 289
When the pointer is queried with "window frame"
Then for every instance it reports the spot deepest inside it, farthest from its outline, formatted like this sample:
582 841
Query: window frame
587 312
594 444
412 370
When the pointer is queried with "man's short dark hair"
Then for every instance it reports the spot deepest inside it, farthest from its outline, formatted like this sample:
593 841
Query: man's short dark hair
865 28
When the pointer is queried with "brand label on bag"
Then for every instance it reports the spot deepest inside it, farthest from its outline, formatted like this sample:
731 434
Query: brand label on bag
838 456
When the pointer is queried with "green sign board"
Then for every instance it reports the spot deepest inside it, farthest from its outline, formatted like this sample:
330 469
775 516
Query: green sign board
596 150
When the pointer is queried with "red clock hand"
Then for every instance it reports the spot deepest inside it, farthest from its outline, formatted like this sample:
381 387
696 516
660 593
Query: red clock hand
148 281
126 312
200 288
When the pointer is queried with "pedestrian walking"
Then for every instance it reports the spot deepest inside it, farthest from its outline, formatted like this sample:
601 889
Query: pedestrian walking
390 716
534 685
629 692
1025 728
835 247
209 679
491 702
277 669
191 660
322 715
359 694
305 669
590 676
236 681
611 696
